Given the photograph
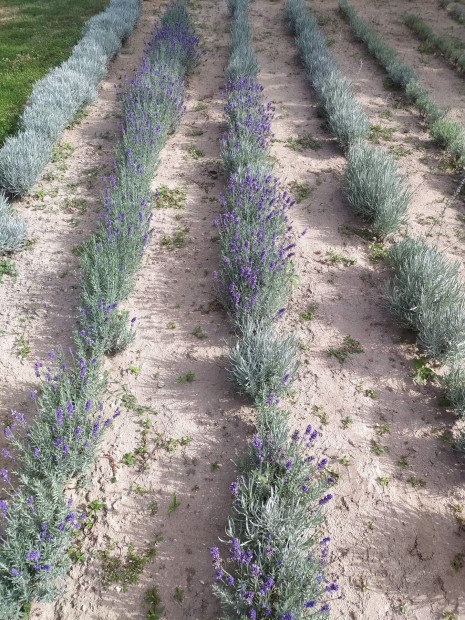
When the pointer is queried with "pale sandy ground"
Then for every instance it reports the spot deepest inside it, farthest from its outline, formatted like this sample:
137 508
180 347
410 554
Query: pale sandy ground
393 546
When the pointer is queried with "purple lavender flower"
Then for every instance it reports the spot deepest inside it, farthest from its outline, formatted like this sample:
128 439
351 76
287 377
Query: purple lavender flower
33 555
324 500
4 507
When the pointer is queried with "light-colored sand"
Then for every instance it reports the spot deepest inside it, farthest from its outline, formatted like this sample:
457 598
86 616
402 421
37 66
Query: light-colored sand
393 546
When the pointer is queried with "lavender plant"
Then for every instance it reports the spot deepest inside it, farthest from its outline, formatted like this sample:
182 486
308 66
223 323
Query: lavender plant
263 362
445 132
426 294
345 117
13 229
152 102
38 528
62 441
376 189
272 570
452 48
57 97
373 181
256 247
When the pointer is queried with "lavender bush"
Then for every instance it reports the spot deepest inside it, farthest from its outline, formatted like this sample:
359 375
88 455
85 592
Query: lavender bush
275 568
13 229
372 173
57 97
272 570
152 102
445 132
62 441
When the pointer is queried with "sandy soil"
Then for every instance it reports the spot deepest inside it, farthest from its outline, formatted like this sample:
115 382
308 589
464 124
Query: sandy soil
394 529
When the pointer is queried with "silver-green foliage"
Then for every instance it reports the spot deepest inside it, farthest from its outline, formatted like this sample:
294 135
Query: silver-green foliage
242 59
263 362
57 97
452 48
276 560
426 294
457 11
13 230
372 173
376 189
62 441
345 116
445 132
274 568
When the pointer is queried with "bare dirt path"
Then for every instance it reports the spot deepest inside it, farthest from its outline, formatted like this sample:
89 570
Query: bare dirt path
180 331
394 532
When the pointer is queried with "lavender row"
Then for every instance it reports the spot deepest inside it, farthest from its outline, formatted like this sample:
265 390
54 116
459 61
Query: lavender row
62 442
275 564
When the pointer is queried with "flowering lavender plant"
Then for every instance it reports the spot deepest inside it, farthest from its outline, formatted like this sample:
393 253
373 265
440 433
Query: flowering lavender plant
273 570
62 441
152 103
256 246
276 564
37 527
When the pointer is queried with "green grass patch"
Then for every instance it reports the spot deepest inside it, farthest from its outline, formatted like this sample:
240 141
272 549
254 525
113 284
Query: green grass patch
34 37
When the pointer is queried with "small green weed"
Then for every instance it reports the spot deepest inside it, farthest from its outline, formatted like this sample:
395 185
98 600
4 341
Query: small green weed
403 462
178 594
350 346
458 561
200 107
423 372
174 504
347 422
309 313
321 413
377 252
383 480
174 198
188 377
23 348
333 258
300 190
129 459
195 152
177 241
383 429
378 133
377 448
125 571
7 268
303 143
371 393
199 333
152 598
416 482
